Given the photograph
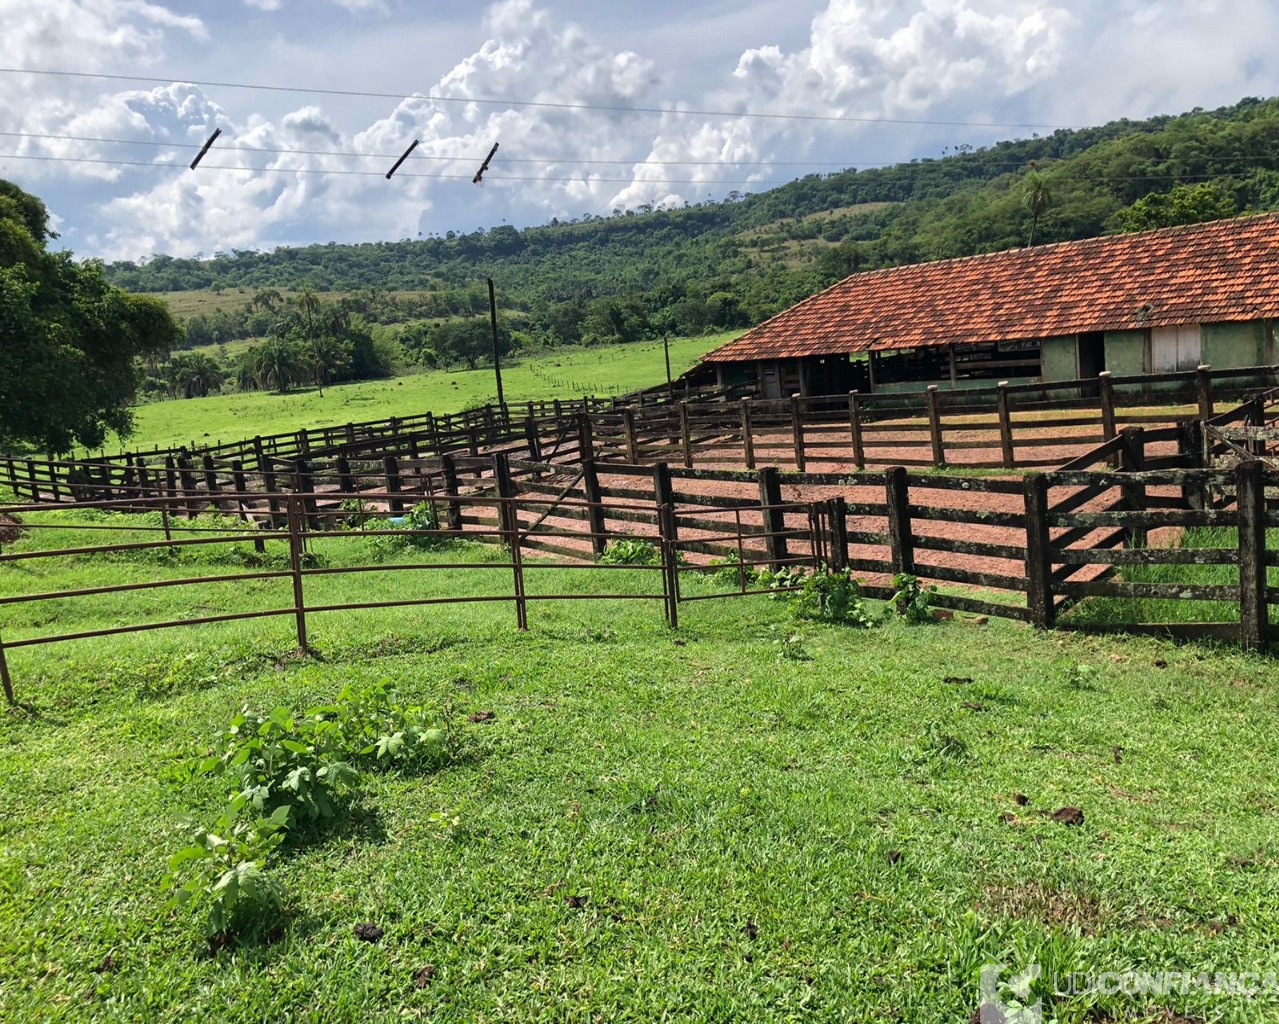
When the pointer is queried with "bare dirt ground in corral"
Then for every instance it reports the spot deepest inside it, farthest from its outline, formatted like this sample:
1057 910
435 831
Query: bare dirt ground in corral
868 532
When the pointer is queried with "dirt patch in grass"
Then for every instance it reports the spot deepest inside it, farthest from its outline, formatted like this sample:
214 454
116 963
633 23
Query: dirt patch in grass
10 529
1053 908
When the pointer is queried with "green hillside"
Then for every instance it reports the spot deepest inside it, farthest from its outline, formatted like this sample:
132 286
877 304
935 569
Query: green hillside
730 264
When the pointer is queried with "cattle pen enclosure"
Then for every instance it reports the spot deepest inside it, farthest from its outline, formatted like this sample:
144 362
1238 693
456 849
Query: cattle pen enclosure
554 491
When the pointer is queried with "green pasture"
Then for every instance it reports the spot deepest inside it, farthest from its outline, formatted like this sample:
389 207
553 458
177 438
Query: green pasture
565 373
752 818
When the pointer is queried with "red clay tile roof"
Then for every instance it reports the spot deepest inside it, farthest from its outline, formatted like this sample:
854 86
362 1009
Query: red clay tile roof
1204 273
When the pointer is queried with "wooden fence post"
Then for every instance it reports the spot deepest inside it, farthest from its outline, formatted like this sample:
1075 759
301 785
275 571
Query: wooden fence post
304 485
585 438
664 493
595 511
797 431
453 513
934 425
628 429
271 484
1106 396
748 442
1254 625
670 565
210 475
346 484
507 517
685 435
1039 597
855 429
838 511
296 549
189 488
1005 426
1133 460
5 679
770 500
1203 390
899 525
533 441
391 471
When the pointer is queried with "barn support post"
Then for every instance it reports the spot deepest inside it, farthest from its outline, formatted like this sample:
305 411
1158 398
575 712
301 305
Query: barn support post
899 526
1008 457
797 430
770 500
748 442
1254 626
855 430
1039 597
595 508
934 425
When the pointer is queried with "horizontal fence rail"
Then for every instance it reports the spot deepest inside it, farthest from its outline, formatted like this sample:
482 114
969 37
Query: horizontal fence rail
1007 426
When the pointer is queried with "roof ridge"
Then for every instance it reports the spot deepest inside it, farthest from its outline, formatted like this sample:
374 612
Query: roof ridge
1230 266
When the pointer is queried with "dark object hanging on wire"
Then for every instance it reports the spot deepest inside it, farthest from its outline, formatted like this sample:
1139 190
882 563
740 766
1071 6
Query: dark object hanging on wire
401 160
479 175
205 148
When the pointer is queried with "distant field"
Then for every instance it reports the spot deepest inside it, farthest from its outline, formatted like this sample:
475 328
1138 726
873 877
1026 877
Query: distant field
188 304
563 374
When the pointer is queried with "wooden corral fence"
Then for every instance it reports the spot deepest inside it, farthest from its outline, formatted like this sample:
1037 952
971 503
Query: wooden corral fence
1025 549
1009 426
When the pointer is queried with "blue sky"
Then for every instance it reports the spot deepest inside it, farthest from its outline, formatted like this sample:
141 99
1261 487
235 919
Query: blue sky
281 172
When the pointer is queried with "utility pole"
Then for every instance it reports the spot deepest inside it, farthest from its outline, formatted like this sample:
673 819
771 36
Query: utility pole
497 363
666 347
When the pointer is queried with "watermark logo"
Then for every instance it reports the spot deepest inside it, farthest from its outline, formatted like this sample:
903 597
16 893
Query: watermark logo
1008 1002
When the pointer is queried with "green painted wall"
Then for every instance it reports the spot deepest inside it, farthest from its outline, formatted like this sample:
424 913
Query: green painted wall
1227 345
1126 352
1060 358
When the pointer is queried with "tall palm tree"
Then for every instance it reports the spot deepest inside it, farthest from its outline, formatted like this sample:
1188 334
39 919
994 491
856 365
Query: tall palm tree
309 306
1037 198
278 364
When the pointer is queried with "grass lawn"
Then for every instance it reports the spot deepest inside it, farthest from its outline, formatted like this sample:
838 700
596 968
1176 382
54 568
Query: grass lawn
1103 611
567 373
750 819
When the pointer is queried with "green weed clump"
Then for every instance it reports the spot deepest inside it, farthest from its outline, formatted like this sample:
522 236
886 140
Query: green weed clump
287 775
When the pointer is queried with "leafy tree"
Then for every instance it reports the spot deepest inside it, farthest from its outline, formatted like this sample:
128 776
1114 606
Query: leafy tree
1184 204
69 342
278 364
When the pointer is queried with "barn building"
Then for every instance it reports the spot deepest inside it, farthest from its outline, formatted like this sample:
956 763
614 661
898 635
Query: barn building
1151 302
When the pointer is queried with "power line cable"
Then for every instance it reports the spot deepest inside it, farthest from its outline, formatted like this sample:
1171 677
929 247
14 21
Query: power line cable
581 178
537 104
549 160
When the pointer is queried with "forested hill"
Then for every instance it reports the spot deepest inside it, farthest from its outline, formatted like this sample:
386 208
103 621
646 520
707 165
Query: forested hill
733 263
